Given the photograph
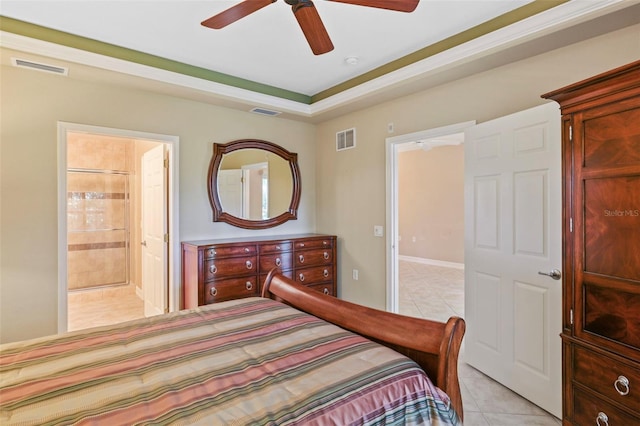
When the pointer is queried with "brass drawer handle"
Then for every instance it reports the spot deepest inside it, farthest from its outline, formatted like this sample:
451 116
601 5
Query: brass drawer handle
212 253
278 261
325 290
213 269
213 291
301 276
249 285
325 273
622 385
249 264
602 419
326 255
301 258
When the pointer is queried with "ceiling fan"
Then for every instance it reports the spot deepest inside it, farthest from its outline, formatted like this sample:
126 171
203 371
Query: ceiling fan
306 15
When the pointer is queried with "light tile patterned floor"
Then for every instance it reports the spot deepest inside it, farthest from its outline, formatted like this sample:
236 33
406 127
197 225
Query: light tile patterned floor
103 306
436 292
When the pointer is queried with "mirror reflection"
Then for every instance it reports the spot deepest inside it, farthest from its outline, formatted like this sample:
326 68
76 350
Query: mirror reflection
254 184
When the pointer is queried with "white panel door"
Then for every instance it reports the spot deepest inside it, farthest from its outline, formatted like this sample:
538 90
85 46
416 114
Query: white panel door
230 191
154 229
512 232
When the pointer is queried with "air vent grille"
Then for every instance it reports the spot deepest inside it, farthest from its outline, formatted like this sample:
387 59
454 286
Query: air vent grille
264 111
345 139
39 66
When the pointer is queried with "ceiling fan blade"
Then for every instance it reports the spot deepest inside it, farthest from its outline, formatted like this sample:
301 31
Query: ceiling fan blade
397 5
235 13
312 27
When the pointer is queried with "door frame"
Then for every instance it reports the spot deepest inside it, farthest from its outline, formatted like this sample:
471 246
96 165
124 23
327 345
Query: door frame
392 148
172 144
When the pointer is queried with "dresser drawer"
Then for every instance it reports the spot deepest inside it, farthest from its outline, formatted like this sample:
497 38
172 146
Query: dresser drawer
326 288
235 288
216 268
591 410
230 251
283 261
602 375
314 275
314 244
275 247
313 257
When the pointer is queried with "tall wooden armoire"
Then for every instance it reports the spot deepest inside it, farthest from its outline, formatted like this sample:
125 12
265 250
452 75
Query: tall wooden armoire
601 238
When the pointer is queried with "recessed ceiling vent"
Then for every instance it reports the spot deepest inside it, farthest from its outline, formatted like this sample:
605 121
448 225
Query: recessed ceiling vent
264 111
346 139
39 66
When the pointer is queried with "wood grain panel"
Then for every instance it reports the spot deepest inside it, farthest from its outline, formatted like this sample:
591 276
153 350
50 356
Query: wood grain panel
604 143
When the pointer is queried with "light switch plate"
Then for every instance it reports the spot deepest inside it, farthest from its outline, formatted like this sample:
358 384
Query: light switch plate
378 231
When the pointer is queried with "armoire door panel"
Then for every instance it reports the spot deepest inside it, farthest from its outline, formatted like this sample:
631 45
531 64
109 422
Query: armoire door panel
612 314
612 227
605 145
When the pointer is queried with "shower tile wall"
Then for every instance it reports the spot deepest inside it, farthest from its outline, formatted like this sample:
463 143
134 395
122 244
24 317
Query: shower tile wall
96 206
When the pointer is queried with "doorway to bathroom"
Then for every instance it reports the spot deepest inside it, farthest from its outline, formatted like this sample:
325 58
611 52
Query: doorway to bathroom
115 221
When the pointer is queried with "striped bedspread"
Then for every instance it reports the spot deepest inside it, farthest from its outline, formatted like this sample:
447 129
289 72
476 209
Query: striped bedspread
243 362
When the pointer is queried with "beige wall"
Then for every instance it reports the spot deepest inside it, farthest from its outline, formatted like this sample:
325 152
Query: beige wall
345 190
351 183
33 102
431 203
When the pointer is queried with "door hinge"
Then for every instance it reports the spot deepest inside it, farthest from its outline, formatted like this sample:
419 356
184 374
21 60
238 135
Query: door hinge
166 163
571 316
571 133
570 224
166 238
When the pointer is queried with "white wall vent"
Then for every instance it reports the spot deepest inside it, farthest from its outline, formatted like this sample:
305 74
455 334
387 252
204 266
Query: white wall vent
264 111
39 66
346 139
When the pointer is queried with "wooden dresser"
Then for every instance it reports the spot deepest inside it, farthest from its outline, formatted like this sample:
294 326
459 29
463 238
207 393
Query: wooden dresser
217 270
601 230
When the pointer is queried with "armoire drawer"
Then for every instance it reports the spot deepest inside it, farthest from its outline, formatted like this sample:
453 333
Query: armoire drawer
216 268
589 409
284 261
230 251
275 247
602 375
314 275
235 288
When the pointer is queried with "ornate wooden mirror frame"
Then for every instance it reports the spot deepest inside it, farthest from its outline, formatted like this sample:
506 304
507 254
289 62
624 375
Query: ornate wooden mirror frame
219 215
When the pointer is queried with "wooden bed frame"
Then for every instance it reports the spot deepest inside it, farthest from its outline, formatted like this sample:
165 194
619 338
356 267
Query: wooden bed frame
433 345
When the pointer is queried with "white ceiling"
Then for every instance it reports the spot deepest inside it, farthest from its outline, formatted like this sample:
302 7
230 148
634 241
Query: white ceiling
268 46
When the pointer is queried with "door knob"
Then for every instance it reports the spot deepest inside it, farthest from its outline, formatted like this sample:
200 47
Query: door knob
555 274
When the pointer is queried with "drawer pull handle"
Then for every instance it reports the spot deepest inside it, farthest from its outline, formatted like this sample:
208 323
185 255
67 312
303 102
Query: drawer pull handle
325 290
278 248
326 255
212 253
246 249
278 261
301 259
213 269
325 243
622 385
213 291
249 264
301 276
249 285
325 273
602 419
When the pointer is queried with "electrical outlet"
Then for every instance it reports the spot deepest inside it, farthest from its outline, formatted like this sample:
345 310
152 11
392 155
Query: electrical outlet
355 275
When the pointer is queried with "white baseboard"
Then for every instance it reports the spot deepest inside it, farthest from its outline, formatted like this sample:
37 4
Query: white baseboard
432 262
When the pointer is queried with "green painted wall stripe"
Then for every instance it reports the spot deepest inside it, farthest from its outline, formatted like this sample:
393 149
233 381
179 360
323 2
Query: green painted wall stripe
501 21
59 37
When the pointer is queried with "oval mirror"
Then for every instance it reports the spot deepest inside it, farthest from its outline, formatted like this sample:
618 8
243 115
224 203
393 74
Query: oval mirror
253 184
